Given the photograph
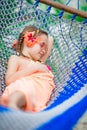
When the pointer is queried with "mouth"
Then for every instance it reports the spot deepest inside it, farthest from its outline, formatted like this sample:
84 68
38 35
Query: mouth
42 54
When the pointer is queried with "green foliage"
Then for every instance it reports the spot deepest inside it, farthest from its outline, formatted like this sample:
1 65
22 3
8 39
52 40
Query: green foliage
82 7
30 1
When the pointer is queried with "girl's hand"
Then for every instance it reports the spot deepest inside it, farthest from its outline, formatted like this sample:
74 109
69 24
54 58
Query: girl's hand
49 48
50 40
40 67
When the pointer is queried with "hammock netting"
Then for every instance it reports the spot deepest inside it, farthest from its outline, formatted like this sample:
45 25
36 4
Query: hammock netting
68 61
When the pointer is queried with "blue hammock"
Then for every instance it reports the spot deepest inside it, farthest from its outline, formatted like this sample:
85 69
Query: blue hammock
68 61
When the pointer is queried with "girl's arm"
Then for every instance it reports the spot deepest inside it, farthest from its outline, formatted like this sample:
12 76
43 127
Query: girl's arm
13 74
50 44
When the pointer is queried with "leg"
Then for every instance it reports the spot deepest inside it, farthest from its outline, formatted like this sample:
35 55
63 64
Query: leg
17 100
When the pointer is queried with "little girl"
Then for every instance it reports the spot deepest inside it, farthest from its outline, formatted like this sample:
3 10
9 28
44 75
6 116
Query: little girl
29 81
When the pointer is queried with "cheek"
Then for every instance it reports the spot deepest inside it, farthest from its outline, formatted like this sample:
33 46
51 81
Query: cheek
36 48
45 48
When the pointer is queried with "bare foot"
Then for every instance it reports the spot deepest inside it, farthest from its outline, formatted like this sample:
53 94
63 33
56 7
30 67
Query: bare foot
14 106
3 102
6 103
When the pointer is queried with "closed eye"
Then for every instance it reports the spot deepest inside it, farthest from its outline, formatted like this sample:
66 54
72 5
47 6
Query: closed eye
42 44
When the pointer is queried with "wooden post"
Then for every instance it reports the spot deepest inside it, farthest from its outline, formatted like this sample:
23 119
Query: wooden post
65 8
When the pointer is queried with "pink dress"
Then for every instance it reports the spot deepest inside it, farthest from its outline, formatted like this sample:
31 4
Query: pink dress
36 87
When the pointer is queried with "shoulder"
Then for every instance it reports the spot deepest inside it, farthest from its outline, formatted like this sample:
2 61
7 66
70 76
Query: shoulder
13 58
13 62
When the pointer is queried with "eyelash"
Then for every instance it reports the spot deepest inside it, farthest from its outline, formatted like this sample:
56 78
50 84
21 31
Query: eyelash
42 44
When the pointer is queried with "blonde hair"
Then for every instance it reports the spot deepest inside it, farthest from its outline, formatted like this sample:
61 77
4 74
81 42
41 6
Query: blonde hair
20 44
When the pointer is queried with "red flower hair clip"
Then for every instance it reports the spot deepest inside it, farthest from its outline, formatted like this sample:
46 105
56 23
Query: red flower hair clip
30 40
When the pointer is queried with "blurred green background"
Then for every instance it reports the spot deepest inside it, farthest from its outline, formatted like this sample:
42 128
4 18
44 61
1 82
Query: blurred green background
78 4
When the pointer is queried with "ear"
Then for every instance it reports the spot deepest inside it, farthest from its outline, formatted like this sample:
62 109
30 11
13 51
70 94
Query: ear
14 44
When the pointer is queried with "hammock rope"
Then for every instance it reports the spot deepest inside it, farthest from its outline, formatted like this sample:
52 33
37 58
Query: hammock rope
68 61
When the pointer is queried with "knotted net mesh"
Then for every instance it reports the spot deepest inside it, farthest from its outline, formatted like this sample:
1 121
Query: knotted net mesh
69 40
